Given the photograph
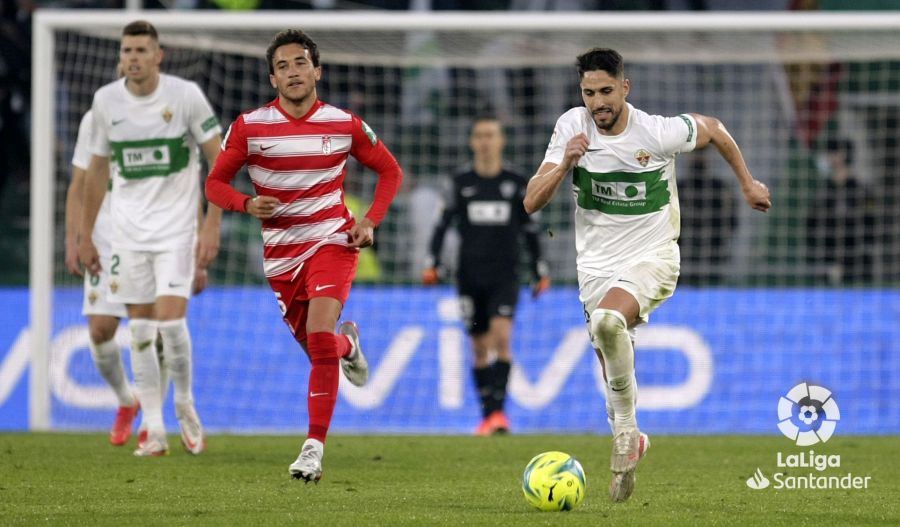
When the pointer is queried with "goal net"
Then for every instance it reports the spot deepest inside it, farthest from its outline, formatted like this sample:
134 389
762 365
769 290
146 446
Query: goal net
804 292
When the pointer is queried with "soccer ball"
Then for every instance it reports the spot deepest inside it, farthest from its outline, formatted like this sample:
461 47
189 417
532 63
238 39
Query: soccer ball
553 481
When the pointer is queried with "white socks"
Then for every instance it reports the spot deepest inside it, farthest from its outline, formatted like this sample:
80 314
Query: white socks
145 365
610 413
609 333
177 354
108 359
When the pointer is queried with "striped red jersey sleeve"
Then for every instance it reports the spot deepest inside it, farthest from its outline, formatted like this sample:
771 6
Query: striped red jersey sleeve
371 152
233 156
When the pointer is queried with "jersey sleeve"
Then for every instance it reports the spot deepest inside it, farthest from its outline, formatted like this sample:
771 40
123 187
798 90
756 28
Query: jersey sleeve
566 128
530 228
233 156
677 135
371 152
81 158
201 120
99 142
447 213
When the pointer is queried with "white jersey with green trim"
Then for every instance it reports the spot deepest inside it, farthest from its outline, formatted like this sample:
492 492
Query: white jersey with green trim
153 142
81 158
624 185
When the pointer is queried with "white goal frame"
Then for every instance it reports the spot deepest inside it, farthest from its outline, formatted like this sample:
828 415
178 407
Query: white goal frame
43 155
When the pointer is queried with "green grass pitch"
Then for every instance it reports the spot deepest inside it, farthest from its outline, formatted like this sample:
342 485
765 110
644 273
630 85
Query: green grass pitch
79 479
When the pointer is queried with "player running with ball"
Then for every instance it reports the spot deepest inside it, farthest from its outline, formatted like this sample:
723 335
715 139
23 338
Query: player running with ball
626 224
296 150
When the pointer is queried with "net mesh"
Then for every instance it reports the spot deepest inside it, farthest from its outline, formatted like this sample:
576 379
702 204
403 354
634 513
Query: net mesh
816 116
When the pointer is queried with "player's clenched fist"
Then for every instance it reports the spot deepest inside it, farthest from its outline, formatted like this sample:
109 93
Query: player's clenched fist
575 148
362 234
757 196
88 255
262 207
431 276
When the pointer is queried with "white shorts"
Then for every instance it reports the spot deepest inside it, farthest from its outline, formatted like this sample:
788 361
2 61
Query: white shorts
96 292
142 276
651 281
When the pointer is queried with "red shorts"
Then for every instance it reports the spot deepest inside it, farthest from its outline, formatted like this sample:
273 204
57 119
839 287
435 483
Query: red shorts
329 272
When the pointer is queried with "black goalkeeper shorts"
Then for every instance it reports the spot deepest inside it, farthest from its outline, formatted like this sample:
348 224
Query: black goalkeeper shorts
479 303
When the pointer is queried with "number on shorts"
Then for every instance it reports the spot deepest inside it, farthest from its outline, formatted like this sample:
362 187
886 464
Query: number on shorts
95 280
115 265
281 304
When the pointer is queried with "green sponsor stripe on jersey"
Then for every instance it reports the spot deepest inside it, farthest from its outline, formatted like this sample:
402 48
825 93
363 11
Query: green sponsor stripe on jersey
690 126
209 124
151 157
369 133
628 193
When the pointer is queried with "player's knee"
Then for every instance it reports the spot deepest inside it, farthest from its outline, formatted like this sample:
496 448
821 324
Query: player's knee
608 323
142 329
174 332
101 331
501 343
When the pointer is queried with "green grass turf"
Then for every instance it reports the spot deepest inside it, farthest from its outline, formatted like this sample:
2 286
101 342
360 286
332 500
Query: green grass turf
79 479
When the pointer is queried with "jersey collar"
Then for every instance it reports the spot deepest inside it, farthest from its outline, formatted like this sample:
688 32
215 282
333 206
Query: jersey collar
318 104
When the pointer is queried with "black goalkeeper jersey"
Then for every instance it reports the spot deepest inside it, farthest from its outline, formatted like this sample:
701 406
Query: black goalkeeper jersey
491 220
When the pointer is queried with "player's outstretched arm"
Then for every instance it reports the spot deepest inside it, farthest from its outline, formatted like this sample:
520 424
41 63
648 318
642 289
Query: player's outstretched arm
711 130
543 185
95 182
73 219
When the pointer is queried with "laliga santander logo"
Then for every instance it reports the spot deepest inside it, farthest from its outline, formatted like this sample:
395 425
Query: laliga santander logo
808 414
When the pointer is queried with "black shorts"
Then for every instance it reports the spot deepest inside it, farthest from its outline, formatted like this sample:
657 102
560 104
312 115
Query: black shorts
479 303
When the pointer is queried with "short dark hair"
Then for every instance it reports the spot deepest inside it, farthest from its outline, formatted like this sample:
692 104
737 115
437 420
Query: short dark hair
601 59
841 146
140 27
485 118
292 36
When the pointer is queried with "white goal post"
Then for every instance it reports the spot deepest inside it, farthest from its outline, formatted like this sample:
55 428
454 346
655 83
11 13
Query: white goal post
543 39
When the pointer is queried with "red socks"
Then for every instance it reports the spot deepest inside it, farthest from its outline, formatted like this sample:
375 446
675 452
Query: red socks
324 377
343 345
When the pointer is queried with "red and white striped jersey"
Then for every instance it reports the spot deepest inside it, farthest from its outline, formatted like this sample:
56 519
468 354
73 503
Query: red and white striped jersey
302 162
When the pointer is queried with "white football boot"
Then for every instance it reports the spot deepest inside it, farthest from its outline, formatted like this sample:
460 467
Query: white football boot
154 446
192 437
308 465
354 366
629 446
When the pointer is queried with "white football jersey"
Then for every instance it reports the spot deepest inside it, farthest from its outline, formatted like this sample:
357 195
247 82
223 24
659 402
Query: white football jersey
153 142
627 203
82 159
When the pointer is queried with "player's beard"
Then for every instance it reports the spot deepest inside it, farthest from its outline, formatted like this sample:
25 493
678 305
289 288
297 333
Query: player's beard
294 99
614 118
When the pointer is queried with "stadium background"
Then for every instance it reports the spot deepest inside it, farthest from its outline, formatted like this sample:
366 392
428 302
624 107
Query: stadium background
764 302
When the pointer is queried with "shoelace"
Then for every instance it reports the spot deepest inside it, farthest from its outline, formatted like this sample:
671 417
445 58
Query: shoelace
308 452
623 445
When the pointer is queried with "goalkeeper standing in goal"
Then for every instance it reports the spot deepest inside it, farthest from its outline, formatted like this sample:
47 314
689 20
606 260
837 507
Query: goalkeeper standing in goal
150 124
626 224
485 203
296 149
